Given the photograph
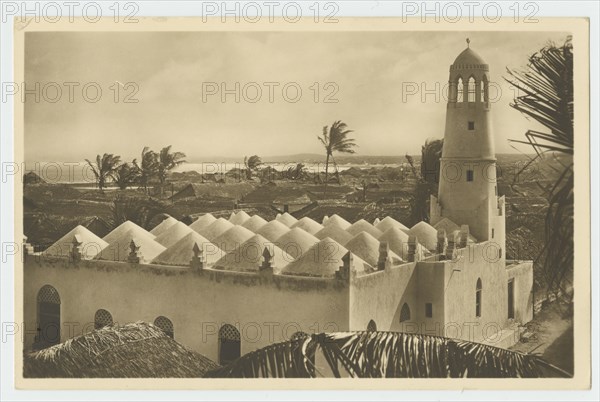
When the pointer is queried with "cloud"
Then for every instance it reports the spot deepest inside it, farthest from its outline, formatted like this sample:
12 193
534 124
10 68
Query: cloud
368 69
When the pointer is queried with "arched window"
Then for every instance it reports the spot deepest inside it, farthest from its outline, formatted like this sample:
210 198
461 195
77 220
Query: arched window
478 298
404 313
371 326
471 90
485 93
460 89
48 307
166 325
229 344
102 319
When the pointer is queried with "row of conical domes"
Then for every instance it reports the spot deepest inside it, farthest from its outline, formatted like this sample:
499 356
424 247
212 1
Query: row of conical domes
295 246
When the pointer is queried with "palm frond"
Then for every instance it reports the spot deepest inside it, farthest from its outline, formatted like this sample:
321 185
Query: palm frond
380 354
547 97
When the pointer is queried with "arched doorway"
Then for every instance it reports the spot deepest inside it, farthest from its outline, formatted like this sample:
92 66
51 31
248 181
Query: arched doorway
166 325
371 326
48 307
404 313
229 344
102 319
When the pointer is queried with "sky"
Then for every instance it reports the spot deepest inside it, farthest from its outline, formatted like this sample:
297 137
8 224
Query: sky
373 75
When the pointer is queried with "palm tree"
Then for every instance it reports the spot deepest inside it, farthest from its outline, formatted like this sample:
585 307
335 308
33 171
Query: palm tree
427 179
373 354
166 162
147 168
137 210
334 139
125 175
296 172
252 163
103 168
547 88
431 153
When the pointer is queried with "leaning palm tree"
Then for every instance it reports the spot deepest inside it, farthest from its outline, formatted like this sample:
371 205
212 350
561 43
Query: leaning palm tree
335 139
546 86
373 354
147 168
125 175
251 163
168 160
103 168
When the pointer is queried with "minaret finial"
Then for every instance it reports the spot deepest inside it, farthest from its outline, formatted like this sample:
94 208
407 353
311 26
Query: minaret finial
468 42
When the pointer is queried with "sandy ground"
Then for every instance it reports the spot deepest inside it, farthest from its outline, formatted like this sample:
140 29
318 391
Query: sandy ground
552 335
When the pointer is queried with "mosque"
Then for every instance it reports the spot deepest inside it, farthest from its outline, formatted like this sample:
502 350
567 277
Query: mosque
225 287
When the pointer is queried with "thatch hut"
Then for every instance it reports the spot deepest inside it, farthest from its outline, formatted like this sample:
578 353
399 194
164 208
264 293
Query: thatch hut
137 350
32 178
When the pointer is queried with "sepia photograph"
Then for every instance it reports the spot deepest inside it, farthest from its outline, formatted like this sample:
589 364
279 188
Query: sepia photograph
362 201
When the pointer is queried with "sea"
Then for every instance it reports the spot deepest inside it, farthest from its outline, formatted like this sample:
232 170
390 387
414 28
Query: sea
81 175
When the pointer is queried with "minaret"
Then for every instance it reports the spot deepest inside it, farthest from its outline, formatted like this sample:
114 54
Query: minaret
468 192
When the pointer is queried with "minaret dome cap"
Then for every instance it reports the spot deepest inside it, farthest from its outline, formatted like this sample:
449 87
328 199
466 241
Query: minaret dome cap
468 56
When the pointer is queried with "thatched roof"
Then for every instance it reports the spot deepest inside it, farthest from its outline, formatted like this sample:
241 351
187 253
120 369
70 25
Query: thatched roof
138 350
212 190
32 178
292 199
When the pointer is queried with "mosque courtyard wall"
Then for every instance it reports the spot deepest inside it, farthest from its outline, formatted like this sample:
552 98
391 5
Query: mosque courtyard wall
265 309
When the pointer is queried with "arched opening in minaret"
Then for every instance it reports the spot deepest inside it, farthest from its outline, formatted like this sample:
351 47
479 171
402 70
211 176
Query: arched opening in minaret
459 90
478 298
471 90
485 94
